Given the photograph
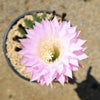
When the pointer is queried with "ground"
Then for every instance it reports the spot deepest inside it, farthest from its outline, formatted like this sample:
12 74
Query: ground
86 15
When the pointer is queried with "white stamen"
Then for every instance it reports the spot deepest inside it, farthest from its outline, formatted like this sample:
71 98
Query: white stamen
49 50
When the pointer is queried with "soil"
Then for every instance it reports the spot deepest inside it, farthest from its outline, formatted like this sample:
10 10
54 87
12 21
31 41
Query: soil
86 84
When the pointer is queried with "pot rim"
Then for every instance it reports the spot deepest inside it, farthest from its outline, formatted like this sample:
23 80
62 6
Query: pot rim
6 34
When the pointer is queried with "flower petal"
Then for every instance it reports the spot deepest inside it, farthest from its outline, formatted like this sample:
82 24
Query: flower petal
68 72
28 69
61 79
83 56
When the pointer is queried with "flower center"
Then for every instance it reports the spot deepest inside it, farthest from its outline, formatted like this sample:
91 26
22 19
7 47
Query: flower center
49 51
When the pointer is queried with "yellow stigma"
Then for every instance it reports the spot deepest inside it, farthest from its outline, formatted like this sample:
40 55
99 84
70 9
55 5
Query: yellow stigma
49 50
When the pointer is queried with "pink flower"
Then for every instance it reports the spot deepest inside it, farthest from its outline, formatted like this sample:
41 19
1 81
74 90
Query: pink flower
52 50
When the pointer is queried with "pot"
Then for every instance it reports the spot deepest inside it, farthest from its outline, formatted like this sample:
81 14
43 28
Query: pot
6 37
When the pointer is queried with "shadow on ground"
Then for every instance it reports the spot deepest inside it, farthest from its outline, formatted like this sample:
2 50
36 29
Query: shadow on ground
88 89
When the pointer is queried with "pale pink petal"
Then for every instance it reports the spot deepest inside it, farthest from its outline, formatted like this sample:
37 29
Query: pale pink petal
77 53
38 24
75 48
77 34
61 79
63 29
55 22
34 76
28 69
31 62
48 79
68 72
42 82
84 48
73 67
74 62
72 30
80 42
25 59
60 68
83 56
30 33
68 24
